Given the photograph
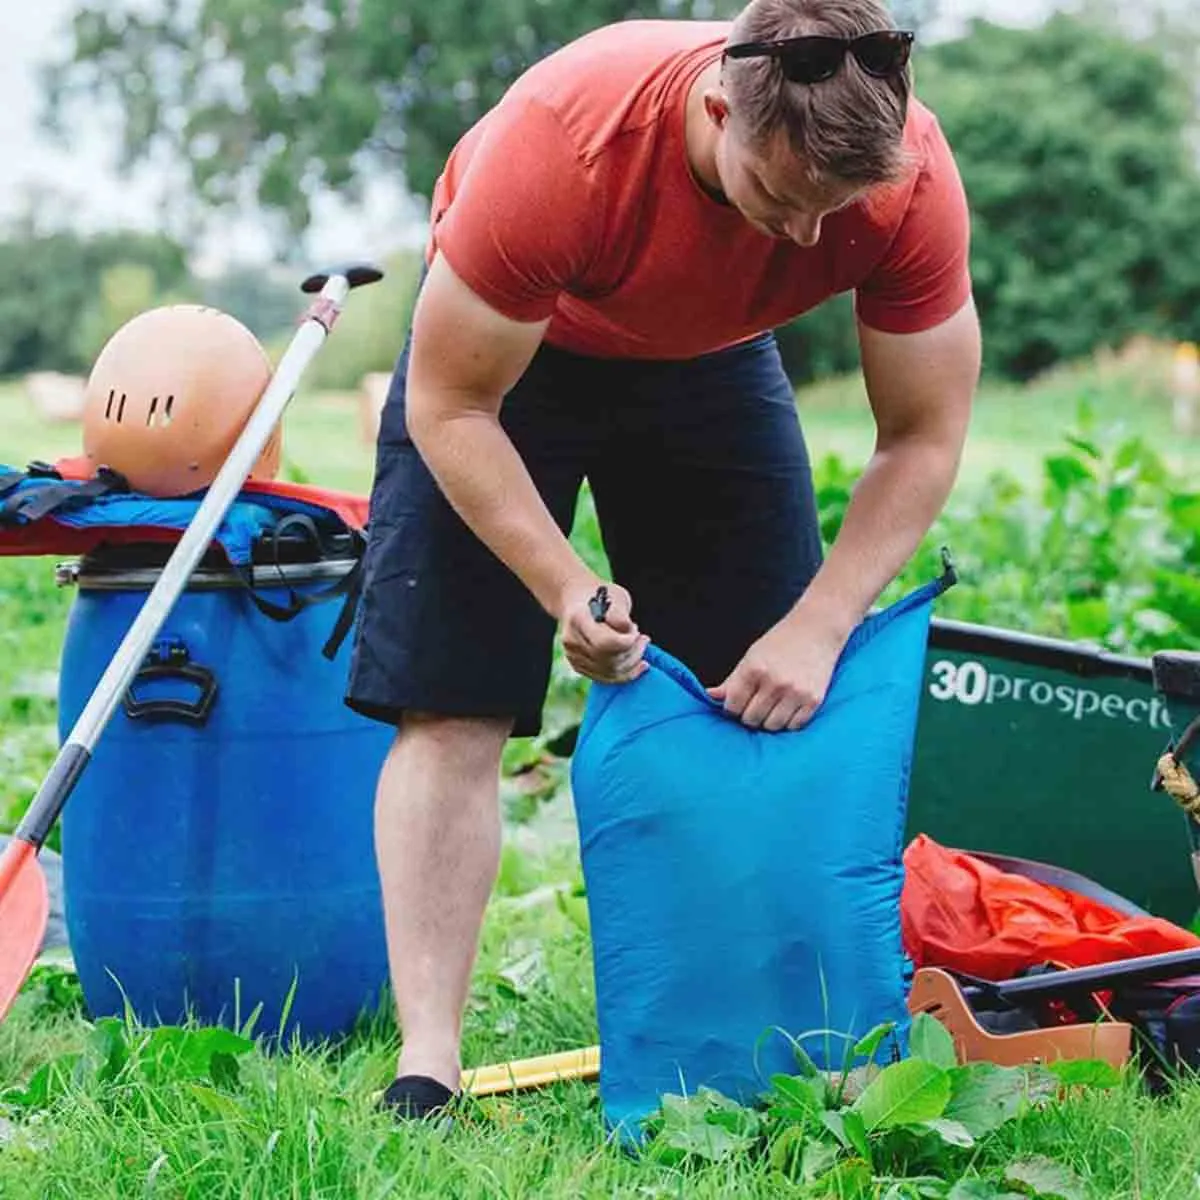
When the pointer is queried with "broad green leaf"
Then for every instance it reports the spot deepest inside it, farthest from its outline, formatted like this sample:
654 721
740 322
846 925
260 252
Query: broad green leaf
1088 1073
742 1121
1050 1180
703 1140
849 1180
800 1157
953 1133
48 1084
1135 455
804 1063
1088 619
202 1045
975 1189
918 1187
698 1126
108 1049
835 1123
1184 510
816 1159
856 1133
173 1053
794 1098
905 1093
706 1125
868 1047
223 1070
1085 446
1118 499
218 1104
930 1040
787 1150
984 1097
848 1128
1065 471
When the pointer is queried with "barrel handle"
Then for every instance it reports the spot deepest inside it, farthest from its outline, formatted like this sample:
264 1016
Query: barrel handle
171 661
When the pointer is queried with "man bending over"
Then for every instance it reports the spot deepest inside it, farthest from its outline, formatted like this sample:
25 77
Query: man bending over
612 246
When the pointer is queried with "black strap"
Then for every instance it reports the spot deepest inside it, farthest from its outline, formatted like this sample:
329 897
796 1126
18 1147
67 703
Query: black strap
55 494
349 585
12 478
342 626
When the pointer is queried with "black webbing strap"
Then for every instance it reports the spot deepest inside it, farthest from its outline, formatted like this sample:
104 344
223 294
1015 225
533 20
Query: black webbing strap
12 479
349 585
54 495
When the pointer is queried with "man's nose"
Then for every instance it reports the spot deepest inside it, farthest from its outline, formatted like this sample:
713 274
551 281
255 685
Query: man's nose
804 228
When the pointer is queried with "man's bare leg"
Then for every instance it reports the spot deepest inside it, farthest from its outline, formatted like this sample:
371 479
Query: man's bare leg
437 838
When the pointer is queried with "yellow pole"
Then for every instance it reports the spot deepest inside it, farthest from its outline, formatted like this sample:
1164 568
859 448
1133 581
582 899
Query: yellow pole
522 1074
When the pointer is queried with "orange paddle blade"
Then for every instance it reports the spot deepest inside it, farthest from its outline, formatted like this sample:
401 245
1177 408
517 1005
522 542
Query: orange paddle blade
24 913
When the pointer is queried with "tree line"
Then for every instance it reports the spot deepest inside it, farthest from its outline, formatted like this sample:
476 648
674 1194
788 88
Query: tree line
1076 141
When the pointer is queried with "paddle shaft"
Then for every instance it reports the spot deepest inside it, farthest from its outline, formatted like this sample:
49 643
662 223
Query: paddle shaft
76 751
526 1073
1149 968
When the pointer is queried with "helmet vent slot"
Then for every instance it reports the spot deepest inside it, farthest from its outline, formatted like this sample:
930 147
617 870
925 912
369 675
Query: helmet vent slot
121 409
112 395
163 418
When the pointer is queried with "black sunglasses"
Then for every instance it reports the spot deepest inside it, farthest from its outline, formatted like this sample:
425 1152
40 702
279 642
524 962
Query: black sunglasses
881 54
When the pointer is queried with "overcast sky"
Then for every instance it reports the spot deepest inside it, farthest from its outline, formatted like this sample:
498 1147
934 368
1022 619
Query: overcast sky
94 197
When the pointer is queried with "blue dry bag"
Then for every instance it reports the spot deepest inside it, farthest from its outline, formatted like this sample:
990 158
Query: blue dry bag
744 887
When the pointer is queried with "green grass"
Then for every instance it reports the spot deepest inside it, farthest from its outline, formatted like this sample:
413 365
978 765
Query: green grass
302 1124
1013 428
321 438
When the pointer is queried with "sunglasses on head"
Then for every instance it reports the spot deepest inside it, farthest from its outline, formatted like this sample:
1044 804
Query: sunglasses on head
881 54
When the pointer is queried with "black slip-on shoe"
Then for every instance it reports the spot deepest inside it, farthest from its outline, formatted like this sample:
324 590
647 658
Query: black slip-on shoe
416 1097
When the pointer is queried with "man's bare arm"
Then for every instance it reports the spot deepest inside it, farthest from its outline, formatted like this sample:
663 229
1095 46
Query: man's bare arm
465 357
921 388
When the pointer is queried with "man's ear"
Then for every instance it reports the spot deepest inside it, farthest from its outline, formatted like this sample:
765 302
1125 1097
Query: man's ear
716 107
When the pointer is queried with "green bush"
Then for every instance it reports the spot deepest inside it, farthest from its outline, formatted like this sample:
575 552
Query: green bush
1106 551
1075 150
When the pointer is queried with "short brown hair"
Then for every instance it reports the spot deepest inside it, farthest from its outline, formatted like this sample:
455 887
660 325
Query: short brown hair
849 128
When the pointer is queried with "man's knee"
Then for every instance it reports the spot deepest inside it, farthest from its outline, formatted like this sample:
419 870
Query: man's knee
469 745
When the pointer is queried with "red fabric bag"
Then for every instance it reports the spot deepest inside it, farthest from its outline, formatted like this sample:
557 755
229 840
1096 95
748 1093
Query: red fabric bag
963 914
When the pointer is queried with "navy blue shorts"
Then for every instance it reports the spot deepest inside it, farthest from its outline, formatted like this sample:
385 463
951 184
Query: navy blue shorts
704 496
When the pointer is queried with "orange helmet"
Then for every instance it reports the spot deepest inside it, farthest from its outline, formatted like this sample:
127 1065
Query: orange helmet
169 395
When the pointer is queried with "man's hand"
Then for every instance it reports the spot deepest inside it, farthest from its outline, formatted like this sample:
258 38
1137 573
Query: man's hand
782 679
608 651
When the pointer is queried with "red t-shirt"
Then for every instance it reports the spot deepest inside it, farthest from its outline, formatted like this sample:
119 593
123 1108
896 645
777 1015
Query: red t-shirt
573 199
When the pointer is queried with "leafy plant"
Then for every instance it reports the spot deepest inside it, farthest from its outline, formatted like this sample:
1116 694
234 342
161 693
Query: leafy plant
919 1128
120 1061
52 990
1105 552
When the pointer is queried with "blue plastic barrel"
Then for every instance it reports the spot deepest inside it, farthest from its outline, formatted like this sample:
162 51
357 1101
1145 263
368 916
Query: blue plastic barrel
218 853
